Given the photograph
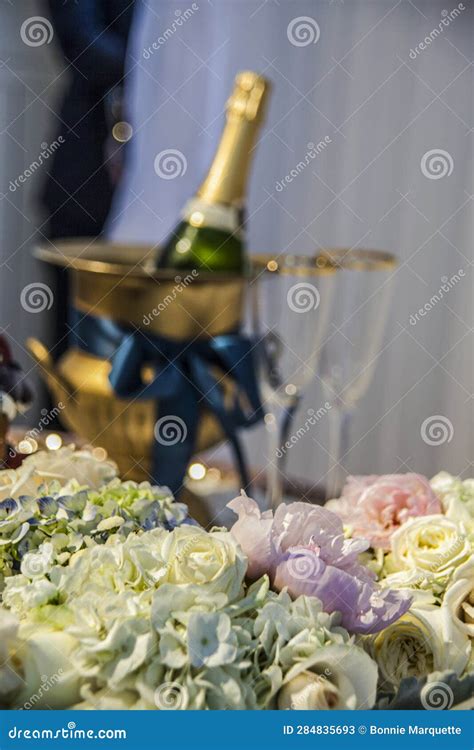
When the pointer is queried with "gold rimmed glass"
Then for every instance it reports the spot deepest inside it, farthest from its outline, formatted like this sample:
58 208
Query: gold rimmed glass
291 300
354 343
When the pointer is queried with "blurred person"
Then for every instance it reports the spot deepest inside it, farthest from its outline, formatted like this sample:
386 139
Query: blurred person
93 37
16 397
86 169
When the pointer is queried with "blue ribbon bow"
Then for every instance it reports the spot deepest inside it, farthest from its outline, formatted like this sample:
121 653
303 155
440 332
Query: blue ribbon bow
183 383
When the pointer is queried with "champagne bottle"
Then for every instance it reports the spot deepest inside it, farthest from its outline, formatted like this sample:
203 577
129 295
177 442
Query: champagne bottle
210 236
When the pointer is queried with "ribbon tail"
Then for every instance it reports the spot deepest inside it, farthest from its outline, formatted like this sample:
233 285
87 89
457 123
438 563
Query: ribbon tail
211 393
241 462
236 355
175 439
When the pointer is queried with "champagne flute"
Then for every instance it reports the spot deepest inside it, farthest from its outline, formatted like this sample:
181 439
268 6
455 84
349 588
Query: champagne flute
353 344
291 301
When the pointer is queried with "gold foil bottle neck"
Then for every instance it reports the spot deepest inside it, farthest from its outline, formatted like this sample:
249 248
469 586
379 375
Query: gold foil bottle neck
249 96
226 181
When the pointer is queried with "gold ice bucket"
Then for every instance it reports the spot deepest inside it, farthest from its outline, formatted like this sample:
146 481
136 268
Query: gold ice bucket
115 282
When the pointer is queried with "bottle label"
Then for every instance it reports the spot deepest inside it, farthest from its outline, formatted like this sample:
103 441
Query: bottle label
199 213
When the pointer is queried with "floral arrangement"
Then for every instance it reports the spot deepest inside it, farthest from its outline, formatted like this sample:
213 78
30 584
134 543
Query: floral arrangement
296 609
52 510
41 468
422 542
164 620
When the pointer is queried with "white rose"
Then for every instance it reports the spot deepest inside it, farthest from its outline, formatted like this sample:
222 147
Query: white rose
15 483
422 641
210 559
308 692
432 544
335 677
107 700
456 496
49 677
10 681
67 463
63 465
458 600
8 406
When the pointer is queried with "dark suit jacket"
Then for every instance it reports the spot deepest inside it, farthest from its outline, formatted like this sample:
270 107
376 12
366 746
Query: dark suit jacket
93 37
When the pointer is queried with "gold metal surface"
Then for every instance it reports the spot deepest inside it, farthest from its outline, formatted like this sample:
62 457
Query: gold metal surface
112 280
360 259
90 409
226 181
249 97
182 309
294 265
117 259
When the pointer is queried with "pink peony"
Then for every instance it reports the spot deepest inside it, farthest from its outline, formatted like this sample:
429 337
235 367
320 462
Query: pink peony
376 506
302 548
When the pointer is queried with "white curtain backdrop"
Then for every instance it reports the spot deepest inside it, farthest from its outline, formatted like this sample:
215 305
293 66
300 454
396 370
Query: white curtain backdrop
383 102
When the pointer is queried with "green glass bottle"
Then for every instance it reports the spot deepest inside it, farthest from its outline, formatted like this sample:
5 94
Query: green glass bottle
210 235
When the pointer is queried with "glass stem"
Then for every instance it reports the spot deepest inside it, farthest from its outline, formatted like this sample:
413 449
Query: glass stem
274 483
286 426
339 427
278 425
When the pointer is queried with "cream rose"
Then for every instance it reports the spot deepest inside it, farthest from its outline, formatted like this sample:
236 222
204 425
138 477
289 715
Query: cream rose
424 640
308 692
63 465
35 666
10 680
49 678
108 700
458 602
14 483
8 406
456 496
434 545
336 677
67 463
210 559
